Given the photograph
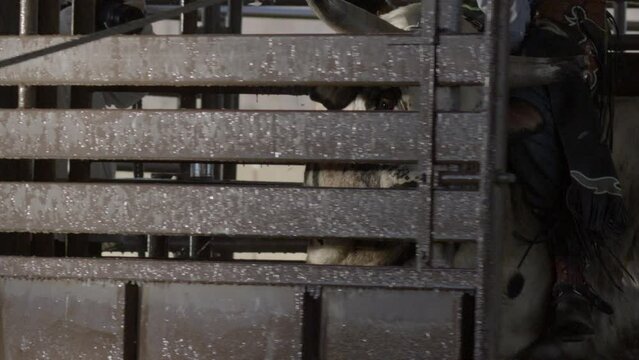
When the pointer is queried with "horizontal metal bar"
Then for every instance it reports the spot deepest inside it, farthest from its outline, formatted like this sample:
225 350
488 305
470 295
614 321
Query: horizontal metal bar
218 60
248 136
459 136
461 60
194 90
207 209
266 11
625 42
627 79
233 273
456 215
290 12
245 2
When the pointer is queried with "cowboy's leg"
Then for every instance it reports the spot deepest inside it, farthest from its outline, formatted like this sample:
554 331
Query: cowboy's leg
537 158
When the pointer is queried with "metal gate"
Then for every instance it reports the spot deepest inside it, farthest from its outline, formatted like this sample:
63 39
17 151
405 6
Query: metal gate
71 304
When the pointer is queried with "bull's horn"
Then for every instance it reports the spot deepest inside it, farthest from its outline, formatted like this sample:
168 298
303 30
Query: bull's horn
527 71
345 17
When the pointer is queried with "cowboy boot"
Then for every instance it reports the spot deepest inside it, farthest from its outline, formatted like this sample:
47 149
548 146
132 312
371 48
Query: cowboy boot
573 318
574 303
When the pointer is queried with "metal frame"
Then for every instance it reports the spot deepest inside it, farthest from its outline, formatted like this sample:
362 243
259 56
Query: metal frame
425 137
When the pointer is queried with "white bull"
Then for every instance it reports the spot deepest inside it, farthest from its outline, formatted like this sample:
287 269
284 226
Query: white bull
524 310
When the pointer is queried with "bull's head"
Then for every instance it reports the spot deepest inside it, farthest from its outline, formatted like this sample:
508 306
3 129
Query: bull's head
344 17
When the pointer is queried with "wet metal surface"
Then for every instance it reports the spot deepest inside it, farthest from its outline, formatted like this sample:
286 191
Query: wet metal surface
194 309
461 60
491 203
203 210
448 15
457 215
228 273
428 23
220 322
61 320
217 60
459 136
209 135
382 324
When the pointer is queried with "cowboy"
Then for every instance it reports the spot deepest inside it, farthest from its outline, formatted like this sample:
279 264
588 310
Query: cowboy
559 151
557 148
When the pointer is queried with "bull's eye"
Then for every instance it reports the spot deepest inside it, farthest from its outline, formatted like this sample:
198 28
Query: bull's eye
384 105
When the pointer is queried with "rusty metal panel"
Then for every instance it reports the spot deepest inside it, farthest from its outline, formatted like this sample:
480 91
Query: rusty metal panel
203 210
228 273
218 60
210 135
459 136
390 324
61 320
457 215
220 322
461 60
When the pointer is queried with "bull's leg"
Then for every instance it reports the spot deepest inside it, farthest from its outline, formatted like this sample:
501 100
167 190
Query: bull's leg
356 252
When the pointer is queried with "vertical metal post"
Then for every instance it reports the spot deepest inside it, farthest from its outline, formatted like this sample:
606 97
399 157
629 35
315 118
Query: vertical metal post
196 171
232 101
138 166
138 170
28 26
83 16
9 25
79 171
621 10
188 25
83 23
46 98
157 246
213 25
494 162
426 106
234 26
142 241
26 100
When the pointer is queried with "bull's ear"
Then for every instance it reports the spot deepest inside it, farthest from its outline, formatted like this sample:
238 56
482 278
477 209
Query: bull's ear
333 97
